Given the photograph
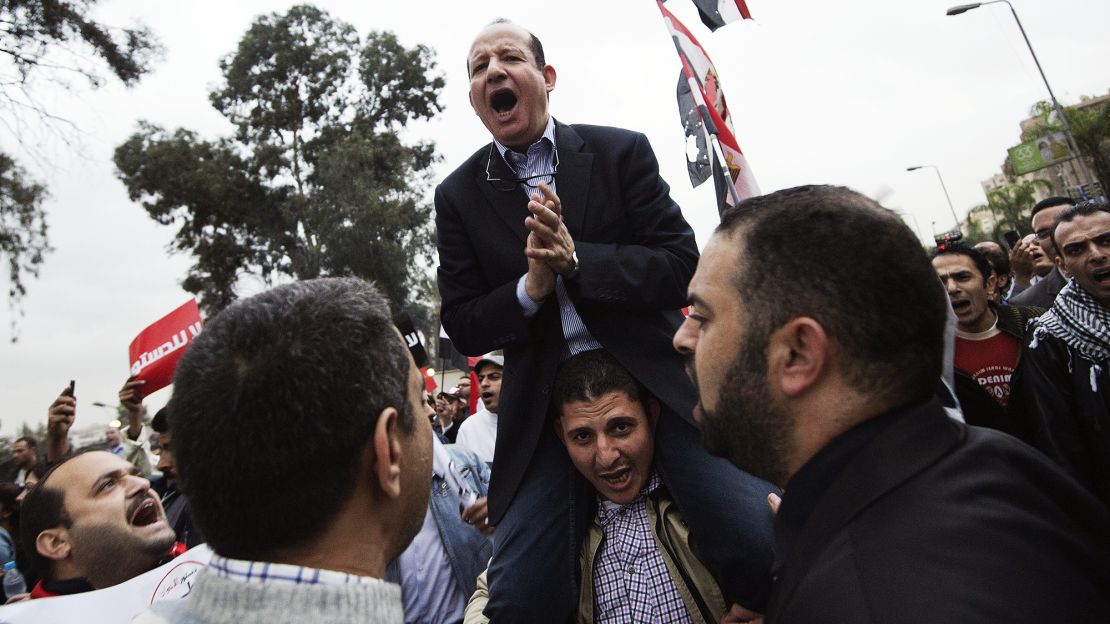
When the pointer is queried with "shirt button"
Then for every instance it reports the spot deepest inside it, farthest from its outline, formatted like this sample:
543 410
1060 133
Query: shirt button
631 569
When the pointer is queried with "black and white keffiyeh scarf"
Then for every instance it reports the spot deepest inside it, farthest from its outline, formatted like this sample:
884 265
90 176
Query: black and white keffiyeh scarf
1082 323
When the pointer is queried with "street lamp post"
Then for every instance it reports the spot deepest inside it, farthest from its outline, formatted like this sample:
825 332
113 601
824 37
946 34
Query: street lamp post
964 8
942 186
117 409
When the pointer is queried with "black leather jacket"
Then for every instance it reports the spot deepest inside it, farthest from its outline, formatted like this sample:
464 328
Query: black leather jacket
1069 420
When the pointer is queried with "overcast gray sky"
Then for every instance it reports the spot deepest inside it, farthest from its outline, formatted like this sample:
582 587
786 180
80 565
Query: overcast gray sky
849 92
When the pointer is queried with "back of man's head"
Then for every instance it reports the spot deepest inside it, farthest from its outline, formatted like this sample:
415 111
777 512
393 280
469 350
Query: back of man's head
273 406
834 255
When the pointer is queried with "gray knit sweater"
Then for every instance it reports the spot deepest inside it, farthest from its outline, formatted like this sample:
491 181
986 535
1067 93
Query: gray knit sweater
215 600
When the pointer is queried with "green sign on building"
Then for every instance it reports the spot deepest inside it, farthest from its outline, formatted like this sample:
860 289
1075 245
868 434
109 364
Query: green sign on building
1039 153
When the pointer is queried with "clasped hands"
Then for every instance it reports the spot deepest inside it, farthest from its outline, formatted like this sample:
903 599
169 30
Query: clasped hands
549 248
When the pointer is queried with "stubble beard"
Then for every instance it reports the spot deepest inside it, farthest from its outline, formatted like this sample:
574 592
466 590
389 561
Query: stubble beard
748 427
109 555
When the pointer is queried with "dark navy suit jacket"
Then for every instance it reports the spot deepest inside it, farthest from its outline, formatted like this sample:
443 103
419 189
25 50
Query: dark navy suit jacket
636 254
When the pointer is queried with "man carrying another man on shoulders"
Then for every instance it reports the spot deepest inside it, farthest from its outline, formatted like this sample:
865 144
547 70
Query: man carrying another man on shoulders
555 240
636 563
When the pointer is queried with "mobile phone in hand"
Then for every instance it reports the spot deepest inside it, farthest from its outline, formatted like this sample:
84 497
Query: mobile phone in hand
69 391
1012 237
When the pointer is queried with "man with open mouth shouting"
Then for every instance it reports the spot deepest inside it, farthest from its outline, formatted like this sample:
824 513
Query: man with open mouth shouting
1065 371
555 240
988 338
91 523
606 420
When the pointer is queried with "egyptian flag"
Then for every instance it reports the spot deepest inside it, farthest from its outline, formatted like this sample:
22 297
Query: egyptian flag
703 112
717 13
448 353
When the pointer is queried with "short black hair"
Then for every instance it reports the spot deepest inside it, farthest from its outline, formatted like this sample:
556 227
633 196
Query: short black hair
1084 209
272 407
43 508
999 259
1051 202
534 43
591 375
8 493
160 422
836 256
978 258
30 440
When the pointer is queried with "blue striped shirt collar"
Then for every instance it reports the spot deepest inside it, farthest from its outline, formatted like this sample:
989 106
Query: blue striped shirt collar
548 133
265 572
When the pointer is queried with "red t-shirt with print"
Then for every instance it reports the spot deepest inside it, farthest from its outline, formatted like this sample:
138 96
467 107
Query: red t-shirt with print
990 362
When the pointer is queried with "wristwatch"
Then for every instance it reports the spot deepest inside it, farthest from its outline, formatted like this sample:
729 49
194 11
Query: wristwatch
574 261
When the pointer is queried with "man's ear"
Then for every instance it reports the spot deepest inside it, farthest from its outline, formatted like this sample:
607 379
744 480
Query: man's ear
387 452
797 356
54 544
549 77
1059 260
992 285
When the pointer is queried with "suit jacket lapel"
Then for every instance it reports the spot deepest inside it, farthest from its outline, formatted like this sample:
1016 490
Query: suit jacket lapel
511 206
905 448
573 179
572 184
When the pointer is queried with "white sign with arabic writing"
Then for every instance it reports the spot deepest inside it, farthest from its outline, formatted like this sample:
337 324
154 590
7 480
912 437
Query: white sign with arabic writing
117 604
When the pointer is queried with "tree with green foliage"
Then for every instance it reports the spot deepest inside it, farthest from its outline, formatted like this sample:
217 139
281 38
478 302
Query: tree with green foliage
50 41
22 226
315 180
1007 208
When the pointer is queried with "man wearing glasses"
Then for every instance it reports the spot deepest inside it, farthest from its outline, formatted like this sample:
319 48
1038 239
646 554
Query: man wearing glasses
1044 292
555 240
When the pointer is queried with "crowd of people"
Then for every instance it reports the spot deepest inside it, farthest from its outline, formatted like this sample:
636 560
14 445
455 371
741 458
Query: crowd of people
841 427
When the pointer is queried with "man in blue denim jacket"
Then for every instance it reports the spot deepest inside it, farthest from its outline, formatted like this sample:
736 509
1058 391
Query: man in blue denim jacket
437 571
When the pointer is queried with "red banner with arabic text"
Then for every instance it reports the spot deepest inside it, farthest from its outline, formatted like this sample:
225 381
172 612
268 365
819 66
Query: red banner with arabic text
155 351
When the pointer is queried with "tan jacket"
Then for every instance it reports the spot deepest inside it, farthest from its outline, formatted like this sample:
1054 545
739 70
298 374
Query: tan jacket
695 584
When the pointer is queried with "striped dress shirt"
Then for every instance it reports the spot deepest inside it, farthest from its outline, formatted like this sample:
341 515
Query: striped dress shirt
540 159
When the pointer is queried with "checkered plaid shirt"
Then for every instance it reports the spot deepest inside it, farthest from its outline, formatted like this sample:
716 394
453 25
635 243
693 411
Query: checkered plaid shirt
631 581
261 572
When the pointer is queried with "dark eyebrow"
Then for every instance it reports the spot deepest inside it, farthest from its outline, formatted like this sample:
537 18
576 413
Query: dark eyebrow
696 301
112 475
